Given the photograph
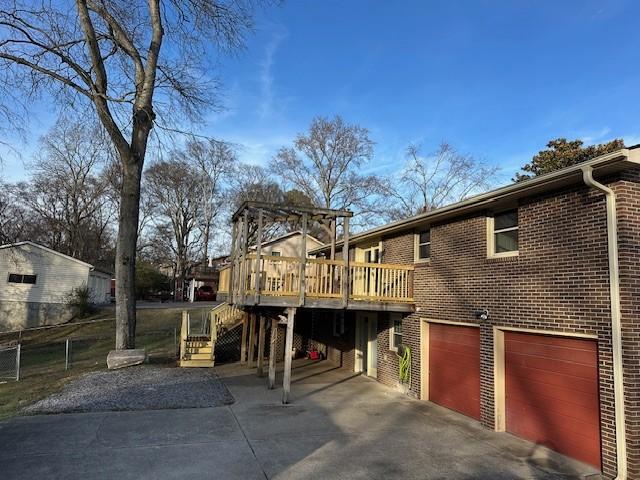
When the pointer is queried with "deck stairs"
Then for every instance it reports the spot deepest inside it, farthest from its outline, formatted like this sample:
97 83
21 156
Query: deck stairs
198 336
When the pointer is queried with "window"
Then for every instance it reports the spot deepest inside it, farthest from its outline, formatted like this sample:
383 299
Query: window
423 246
20 278
275 253
395 332
503 234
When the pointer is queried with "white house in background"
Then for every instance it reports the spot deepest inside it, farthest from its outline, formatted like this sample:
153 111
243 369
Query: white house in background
36 281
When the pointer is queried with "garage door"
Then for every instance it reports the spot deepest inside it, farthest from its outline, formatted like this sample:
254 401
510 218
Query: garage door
454 368
551 387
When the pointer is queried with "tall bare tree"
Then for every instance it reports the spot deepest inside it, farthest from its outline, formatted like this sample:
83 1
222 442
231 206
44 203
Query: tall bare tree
326 164
173 187
67 194
429 182
215 161
129 61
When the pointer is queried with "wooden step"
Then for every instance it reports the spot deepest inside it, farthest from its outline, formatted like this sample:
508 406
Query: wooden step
195 363
198 344
198 350
198 356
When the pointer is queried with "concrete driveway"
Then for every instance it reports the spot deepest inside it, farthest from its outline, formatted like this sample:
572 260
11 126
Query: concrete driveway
339 426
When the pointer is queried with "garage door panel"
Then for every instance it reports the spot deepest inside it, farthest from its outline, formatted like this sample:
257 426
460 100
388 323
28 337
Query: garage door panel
454 368
533 389
557 352
570 382
551 389
549 365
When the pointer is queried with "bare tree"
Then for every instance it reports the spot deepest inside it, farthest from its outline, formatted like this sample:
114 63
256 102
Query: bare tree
130 62
14 217
215 161
427 183
173 187
326 165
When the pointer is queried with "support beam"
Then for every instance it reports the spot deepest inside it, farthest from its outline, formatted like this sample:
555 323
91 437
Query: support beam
345 258
272 353
243 270
243 345
257 268
261 335
288 347
252 340
303 259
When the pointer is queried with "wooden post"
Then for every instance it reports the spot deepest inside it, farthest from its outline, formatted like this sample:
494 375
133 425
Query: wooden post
261 335
183 333
257 271
243 261
333 239
243 345
273 353
252 339
288 347
345 259
303 259
234 233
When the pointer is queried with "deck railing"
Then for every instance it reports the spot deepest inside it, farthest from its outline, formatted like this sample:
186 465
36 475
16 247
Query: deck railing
280 276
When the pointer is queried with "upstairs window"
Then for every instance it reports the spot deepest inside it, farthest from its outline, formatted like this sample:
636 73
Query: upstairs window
503 234
20 278
423 246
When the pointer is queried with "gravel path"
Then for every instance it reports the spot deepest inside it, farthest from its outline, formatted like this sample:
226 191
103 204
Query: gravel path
137 388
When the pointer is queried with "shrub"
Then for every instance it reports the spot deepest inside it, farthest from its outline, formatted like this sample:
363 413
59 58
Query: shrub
79 300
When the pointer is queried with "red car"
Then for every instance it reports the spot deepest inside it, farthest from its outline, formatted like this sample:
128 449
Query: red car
205 293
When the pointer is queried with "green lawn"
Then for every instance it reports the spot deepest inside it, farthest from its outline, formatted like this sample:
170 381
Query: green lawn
43 353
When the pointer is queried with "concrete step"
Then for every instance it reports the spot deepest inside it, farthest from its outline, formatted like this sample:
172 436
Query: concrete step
195 363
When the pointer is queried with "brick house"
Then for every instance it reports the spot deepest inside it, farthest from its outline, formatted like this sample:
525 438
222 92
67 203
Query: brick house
522 309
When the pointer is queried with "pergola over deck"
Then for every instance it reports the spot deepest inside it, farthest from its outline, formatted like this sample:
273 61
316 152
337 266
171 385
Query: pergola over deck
255 279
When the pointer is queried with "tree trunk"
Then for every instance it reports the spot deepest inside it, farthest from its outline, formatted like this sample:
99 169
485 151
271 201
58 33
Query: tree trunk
126 253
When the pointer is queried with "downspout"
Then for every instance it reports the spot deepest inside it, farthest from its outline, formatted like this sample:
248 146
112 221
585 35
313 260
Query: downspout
616 327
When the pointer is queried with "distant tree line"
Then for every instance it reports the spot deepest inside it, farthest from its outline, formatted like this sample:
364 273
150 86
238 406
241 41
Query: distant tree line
189 191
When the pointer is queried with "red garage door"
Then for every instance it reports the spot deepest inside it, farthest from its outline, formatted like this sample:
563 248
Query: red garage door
454 368
551 386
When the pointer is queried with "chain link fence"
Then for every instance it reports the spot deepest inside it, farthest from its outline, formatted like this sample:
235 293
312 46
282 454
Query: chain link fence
84 345
10 363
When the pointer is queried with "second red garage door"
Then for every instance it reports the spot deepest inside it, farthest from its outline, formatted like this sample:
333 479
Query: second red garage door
454 367
551 387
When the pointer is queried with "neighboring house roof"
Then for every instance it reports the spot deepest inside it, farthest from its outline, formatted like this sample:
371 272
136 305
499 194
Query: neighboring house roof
49 250
285 236
605 164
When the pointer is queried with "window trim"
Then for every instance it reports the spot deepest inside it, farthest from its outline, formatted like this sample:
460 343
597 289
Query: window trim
491 239
392 332
416 246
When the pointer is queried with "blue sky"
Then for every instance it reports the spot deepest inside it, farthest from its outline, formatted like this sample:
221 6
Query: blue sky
495 79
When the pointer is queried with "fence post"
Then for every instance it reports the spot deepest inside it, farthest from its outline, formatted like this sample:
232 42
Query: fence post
18 362
175 342
67 351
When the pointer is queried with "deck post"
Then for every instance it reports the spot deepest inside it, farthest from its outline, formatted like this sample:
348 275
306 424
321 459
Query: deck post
303 259
272 353
345 259
288 347
243 260
243 345
184 333
261 335
257 271
252 339
232 258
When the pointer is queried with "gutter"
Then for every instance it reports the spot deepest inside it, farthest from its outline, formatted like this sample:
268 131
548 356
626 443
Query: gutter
616 327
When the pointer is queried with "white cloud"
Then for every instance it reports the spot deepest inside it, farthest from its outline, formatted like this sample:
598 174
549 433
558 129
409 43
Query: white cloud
267 95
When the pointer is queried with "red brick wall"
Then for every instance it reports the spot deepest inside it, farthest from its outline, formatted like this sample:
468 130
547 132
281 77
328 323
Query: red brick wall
559 281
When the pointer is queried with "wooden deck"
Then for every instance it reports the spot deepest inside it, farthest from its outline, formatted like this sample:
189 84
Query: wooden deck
275 281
